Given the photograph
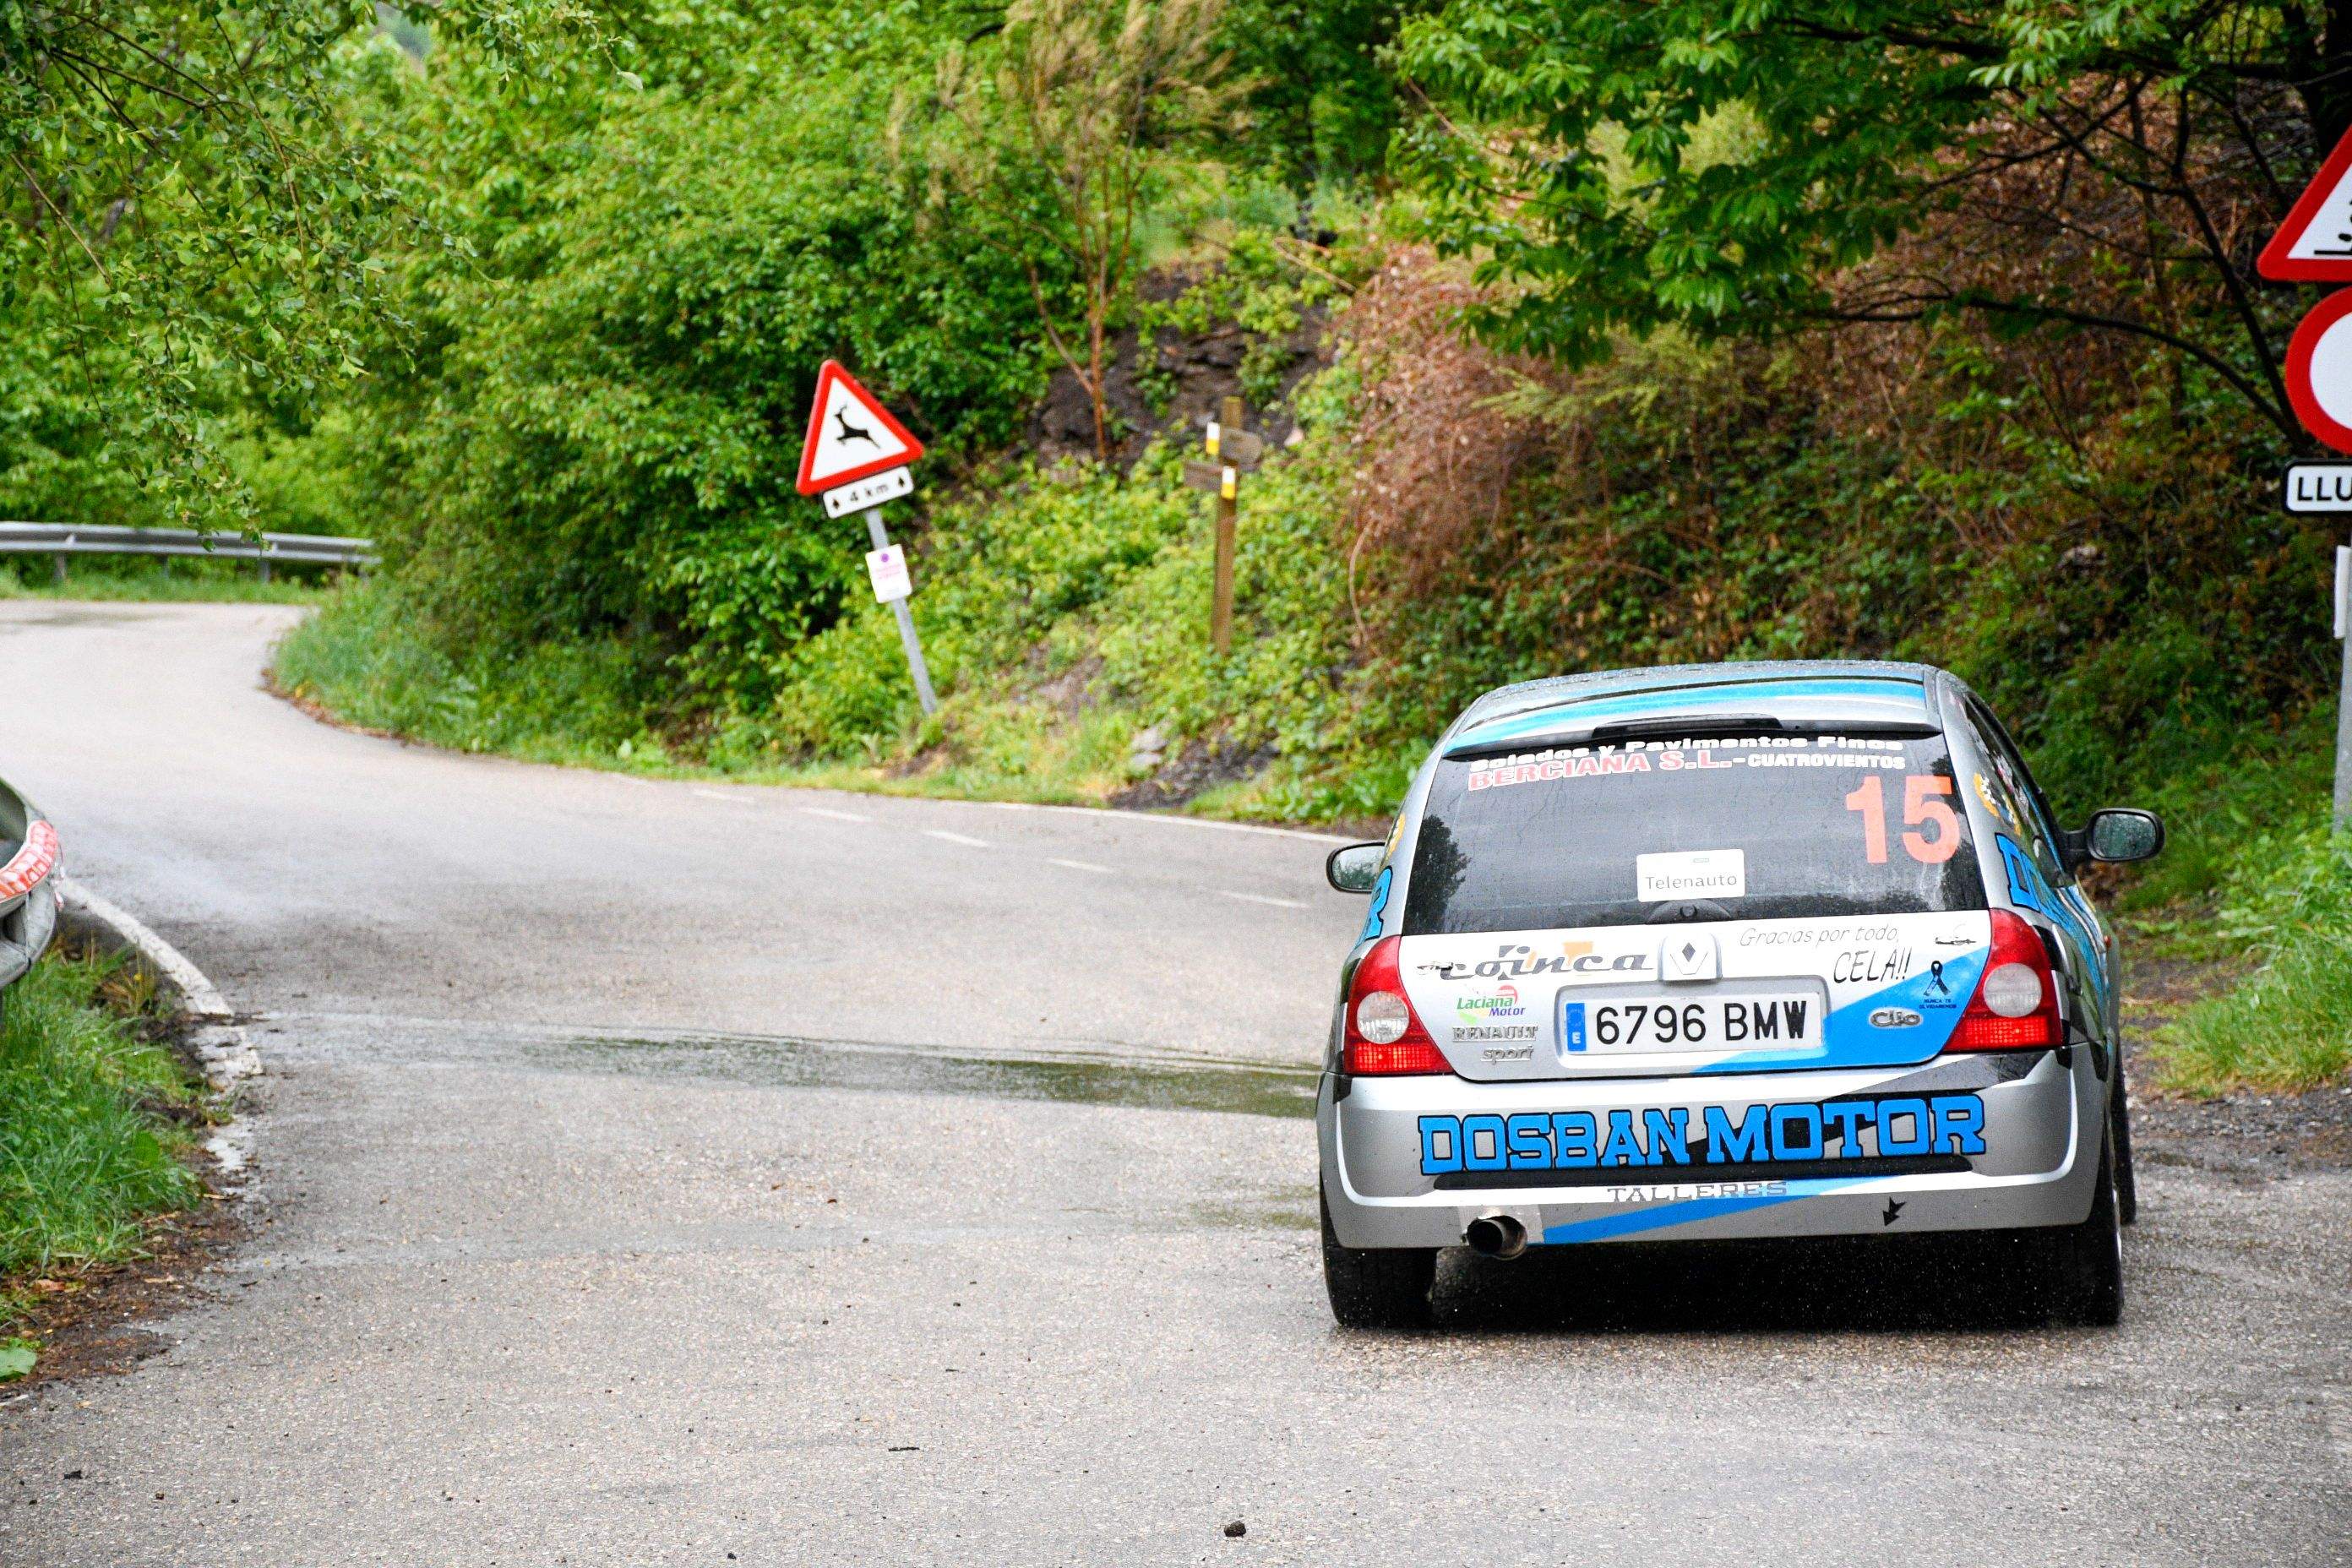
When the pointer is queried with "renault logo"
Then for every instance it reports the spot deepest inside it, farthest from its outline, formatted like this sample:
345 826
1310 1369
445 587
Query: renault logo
1687 955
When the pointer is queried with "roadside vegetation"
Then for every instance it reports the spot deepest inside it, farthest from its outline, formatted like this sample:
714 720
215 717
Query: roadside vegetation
1915 332
167 581
96 1120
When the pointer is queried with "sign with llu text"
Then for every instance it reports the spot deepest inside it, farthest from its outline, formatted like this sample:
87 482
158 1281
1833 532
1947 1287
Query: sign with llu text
2309 488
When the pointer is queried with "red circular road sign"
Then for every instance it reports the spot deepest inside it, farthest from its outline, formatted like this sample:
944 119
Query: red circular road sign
2319 371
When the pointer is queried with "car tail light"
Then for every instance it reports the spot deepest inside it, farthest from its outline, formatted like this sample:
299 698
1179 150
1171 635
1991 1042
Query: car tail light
1383 1035
2015 1006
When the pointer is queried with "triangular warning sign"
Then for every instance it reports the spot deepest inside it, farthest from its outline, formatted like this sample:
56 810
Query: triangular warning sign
850 436
2315 243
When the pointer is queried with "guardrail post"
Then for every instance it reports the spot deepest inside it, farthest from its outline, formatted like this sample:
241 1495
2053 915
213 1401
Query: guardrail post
57 564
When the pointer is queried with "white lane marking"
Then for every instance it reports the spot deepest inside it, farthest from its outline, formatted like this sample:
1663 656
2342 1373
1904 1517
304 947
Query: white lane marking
722 795
1109 814
1262 899
945 836
835 816
1079 864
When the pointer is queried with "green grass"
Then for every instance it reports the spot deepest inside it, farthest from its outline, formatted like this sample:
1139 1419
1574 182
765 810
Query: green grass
89 1150
364 660
136 578
2287 1025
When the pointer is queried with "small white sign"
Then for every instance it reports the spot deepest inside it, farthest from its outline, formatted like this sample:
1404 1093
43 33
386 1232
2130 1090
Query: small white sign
1691 874
887 567
887 485
2317 486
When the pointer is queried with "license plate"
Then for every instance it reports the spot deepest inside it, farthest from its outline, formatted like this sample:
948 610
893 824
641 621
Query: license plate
1760 1020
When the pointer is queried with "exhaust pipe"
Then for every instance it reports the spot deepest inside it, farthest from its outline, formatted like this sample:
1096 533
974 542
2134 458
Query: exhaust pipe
1495 1235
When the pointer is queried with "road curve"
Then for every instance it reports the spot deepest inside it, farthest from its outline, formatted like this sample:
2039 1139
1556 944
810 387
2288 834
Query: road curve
305 865
661 1172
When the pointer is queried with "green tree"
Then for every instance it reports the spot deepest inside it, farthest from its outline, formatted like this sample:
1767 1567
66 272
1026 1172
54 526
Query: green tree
1324 97
190 222
1761 167
1065 120
593 432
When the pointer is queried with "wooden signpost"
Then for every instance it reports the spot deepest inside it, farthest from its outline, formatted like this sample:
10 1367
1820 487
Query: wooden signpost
1232 452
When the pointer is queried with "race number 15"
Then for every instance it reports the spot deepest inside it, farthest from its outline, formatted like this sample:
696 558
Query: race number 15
1924 806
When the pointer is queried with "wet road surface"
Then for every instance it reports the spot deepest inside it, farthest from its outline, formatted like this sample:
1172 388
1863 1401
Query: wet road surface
653 1173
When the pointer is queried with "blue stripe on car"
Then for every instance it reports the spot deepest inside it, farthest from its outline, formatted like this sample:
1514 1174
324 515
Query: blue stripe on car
1905 699
1689 1211
1848 1039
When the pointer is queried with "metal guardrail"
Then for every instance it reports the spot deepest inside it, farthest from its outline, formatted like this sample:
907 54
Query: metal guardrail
60 539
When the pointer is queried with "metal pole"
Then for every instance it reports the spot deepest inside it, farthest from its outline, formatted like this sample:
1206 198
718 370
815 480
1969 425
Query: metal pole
1220 604
2344 702
914 645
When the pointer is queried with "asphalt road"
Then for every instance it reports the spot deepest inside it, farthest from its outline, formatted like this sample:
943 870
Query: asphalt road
654 1173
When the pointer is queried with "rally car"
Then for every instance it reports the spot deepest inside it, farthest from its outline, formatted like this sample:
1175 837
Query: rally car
1727 952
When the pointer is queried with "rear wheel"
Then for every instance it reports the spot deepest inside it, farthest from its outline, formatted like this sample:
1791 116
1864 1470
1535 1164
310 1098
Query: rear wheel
1377 1287
2083 1265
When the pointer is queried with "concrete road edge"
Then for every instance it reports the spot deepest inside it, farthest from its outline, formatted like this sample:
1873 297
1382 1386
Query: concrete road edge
222 1048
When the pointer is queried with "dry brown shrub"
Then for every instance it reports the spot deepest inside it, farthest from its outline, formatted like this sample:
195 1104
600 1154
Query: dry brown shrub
1435 459
1478 472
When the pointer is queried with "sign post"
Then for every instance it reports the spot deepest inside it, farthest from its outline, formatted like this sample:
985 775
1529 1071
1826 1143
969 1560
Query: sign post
856 457
2343 702
2314 245
890 573
1232 452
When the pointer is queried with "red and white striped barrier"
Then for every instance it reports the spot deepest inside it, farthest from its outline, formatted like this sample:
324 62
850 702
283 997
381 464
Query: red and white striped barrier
35 859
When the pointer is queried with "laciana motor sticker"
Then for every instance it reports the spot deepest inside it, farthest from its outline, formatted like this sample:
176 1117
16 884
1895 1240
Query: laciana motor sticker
1493 1015
1753 1135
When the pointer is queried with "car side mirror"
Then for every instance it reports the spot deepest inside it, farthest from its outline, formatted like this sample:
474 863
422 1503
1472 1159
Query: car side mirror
1355 867
2120 834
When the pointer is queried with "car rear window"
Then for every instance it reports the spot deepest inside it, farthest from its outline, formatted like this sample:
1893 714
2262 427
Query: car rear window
1762 828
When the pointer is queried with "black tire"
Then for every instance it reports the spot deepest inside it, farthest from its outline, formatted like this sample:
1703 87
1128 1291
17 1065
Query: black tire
2084 1264
2119 1121
1377 1288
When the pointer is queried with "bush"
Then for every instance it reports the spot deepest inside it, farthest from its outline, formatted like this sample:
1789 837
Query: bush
996 571
600 440
369 657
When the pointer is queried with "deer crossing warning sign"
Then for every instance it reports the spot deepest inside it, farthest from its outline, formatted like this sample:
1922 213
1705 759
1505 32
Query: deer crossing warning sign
851 437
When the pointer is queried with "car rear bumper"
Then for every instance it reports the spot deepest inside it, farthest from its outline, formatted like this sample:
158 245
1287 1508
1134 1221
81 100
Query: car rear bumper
1971 1142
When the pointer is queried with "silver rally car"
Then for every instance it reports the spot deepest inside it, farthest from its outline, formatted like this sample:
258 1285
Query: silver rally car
1721 952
